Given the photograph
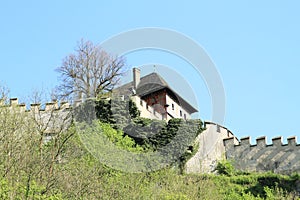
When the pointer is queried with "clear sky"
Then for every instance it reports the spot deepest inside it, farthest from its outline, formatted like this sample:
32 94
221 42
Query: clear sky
255 46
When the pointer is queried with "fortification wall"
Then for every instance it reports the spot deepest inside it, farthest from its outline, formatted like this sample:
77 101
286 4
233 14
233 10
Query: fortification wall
211 148
14 102
215 143
50 118
260 157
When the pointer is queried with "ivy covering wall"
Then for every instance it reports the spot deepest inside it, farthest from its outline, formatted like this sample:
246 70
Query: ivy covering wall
173 139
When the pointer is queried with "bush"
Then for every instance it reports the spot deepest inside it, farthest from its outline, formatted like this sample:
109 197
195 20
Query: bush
225 167
118 138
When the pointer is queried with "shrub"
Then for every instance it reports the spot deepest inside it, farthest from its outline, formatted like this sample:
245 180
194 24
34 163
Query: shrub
225 167
118 138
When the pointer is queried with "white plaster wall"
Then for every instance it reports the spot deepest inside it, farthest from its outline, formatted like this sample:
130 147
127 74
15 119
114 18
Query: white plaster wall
211 150
147 113
176 112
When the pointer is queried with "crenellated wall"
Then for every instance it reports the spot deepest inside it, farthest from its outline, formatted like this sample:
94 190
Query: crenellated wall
50 118
215 142
261 157
14 102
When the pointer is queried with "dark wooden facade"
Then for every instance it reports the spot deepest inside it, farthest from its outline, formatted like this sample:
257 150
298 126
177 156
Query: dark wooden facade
157 100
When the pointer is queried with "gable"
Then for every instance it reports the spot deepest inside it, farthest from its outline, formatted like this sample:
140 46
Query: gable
152 83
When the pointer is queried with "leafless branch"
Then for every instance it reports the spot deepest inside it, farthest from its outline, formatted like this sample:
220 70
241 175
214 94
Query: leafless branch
90 71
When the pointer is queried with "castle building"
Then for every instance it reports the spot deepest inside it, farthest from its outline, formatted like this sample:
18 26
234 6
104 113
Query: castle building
155 98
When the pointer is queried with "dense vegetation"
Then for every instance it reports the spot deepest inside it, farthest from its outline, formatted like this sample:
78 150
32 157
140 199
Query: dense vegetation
63 168
162 144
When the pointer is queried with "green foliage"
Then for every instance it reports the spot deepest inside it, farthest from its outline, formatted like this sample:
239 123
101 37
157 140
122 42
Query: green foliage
103 110
156 134
171 196
145 121
251 186
115 111
225 167
166 134
177 140
81 176
142 129
118 138
29 169
174 140
133 109
20 191
187 130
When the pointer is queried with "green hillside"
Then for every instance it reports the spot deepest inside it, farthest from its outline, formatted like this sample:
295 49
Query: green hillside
65 168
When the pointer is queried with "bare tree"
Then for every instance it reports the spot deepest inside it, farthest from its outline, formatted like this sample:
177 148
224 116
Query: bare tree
89 71
4 91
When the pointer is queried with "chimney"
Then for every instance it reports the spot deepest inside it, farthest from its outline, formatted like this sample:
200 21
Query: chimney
136 77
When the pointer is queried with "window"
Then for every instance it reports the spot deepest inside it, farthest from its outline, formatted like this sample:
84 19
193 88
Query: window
180 113
147 106
172 106
218 129
141 102
184 116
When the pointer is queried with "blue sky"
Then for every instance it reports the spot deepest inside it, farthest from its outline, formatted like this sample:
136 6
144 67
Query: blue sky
255 46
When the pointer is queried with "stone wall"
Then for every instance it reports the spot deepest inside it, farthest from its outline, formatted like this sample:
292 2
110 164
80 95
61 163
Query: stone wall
211 149
50 118
215 142
260 157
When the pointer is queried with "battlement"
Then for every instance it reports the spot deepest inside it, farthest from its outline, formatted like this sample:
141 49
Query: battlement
214 142
50 118
260 142
277 157
54 105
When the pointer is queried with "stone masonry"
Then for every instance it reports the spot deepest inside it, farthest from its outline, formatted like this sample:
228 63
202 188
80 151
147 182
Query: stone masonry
260 157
